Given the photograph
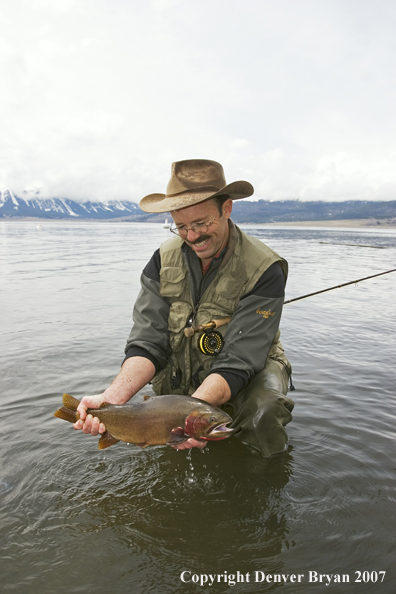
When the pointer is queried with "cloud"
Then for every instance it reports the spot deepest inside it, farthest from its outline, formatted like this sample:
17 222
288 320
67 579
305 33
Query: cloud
100 97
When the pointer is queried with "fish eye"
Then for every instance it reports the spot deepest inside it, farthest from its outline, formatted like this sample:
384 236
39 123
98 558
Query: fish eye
213 419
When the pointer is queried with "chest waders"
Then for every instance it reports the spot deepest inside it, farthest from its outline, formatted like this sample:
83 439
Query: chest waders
188 365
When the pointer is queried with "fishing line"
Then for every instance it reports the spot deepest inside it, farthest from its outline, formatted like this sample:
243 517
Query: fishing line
359 280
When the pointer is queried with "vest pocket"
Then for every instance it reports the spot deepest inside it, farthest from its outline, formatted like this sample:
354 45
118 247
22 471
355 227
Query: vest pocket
172 281
179 312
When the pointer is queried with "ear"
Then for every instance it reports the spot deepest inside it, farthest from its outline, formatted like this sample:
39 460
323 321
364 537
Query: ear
227 208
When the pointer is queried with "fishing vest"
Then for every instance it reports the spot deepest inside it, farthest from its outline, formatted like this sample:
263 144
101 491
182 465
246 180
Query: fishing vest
188 366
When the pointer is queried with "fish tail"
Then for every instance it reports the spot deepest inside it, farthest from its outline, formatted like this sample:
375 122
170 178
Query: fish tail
67 414
70 402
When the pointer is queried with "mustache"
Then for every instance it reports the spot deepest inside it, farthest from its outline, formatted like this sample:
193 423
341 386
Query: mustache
199 239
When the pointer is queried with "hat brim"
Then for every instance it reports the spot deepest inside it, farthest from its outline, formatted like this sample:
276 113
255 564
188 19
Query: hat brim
163 203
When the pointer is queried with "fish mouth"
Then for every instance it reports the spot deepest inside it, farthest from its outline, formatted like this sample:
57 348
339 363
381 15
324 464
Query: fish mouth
220 431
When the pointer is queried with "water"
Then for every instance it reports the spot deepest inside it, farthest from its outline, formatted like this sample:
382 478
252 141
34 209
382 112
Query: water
77 520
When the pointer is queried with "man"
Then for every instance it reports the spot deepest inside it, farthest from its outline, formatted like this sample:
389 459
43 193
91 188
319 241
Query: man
211 271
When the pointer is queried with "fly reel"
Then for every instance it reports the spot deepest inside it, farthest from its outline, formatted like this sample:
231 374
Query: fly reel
210 342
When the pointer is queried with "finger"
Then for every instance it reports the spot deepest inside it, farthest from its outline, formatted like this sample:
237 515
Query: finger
87 424
190 443
181 446
102 428
88 402
197 443
82 410
78 424
95 426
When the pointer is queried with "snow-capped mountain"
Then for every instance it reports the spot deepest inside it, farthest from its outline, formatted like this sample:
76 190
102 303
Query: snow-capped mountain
244 211
32 205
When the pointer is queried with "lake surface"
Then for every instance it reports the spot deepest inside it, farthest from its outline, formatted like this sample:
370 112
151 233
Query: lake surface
77 520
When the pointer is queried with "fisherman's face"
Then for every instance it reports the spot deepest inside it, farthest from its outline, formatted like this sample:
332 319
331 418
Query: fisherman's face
210 242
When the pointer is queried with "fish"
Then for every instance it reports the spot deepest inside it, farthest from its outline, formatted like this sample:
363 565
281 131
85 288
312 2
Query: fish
159 420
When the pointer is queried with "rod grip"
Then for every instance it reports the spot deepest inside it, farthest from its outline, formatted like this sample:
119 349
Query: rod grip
191 330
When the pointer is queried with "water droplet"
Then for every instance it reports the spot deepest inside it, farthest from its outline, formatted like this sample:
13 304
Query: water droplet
4 486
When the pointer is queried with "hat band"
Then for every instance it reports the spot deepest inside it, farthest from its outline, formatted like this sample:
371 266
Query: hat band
194 191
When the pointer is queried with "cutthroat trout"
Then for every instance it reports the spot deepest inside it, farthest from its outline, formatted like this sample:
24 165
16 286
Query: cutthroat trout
160 420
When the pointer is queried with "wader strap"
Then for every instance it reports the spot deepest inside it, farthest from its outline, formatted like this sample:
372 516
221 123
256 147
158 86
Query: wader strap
288 369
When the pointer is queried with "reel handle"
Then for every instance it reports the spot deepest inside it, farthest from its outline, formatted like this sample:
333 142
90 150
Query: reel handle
191 330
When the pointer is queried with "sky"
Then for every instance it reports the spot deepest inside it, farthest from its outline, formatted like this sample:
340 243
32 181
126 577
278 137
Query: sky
99 97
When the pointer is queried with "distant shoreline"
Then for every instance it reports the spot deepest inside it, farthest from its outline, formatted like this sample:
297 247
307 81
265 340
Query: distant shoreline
351 223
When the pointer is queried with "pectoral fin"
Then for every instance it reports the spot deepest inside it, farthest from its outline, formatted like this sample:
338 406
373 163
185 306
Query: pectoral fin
177 436
106 441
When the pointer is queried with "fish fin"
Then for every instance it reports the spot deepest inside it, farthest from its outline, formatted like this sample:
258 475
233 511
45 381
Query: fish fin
70 402
66 414
106 440
177 436
146 397
104 405
144 444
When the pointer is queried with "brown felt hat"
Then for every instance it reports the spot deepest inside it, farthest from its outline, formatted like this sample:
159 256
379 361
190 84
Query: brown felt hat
194 181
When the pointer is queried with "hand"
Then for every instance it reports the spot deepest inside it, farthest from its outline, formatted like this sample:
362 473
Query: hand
88 423
190 443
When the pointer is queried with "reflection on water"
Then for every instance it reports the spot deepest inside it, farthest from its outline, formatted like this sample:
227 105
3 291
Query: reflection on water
74 519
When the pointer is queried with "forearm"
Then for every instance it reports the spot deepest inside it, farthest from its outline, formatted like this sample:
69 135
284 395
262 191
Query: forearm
214 389
135 373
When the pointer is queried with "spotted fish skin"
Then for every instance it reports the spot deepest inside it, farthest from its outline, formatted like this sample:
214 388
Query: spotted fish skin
159 420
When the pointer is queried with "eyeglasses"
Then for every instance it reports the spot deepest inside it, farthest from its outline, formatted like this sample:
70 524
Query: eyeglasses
197 228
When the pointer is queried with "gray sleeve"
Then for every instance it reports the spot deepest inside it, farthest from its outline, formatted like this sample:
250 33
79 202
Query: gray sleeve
150 323
250 335
251 331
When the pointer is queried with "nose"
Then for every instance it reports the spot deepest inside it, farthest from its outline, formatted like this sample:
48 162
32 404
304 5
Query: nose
191 235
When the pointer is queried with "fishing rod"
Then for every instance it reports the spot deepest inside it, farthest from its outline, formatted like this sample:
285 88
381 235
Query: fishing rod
211 342
338 286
